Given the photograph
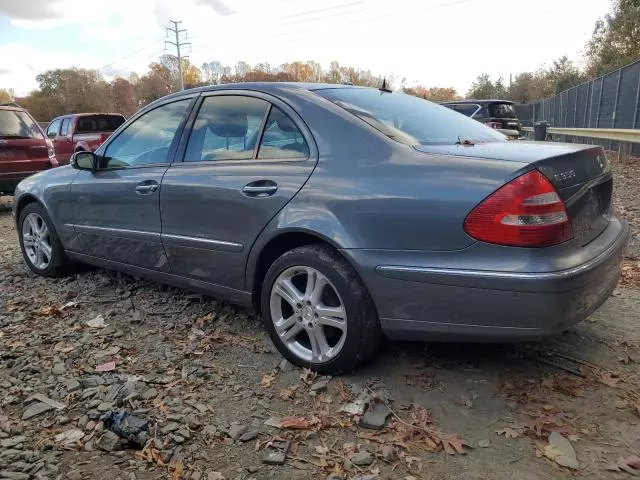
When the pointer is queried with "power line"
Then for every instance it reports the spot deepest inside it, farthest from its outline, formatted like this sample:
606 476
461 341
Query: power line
176 31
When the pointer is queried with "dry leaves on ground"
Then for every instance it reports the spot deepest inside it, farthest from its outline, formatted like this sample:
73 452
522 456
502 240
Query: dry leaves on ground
630 465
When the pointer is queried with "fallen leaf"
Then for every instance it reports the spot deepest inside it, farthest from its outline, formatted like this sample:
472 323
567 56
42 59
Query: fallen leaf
561 451
49 311
106 367
288 393
452 443
267 380
511 432
308 376
97 322
68 305
630 465
299 423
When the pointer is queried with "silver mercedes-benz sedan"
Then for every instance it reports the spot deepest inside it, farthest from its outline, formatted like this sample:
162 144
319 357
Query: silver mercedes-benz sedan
341 214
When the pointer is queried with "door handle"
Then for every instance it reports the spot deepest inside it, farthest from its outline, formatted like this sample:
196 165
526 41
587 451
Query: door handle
146 188
260 189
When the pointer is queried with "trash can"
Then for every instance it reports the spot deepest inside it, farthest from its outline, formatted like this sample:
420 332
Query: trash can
540 131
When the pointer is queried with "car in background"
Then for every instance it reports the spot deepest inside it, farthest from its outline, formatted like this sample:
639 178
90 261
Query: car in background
24 149
81 132
340 213
497 114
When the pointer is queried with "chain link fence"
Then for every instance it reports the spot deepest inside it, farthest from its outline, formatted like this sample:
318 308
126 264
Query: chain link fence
610 101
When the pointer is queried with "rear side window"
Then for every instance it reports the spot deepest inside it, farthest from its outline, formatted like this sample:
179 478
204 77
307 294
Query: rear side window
502 110
99 123
408 119
281 138
16 124
64 130
226 128
466 109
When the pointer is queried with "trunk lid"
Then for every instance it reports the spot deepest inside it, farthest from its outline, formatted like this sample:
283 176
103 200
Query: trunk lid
581 174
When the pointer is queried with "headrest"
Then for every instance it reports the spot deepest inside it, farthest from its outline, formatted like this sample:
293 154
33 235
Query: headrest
228 124
285 124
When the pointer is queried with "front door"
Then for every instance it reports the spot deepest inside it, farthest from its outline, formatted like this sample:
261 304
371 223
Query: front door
234 179
63 143
116 208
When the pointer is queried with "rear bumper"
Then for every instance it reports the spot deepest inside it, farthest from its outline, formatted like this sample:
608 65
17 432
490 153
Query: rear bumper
425 303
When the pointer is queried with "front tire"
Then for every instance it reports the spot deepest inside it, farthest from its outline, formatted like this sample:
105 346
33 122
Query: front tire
41 247
318 312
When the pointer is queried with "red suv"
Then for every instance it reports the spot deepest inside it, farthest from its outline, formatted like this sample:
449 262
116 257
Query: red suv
24 149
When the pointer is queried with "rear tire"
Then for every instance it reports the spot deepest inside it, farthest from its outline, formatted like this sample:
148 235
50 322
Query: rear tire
41 247
318 312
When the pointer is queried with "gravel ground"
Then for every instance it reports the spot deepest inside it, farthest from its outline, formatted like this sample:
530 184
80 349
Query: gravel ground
215 401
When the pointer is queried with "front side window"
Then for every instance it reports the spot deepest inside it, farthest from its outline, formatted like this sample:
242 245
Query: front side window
147 140
226 128
281 138
466 109
408 119
52 130
17 124
64 131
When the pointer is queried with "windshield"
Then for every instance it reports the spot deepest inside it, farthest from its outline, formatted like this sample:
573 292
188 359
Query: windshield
16 124
410 120
99 123
501 110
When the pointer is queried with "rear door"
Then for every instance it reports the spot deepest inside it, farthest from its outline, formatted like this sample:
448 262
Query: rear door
248 154
116 209
23 149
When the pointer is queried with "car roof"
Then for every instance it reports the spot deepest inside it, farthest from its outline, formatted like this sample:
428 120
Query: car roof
88 114
14 107
263 87
486 100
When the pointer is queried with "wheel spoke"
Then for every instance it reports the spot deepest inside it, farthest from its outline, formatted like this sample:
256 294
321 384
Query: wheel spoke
28 240
311 283
288 292
332 322
43 230
292 332
320 348
46 249
332 312
33 224
318 287
39 259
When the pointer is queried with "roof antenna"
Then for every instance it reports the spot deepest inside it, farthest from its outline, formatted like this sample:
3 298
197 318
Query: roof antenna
384 87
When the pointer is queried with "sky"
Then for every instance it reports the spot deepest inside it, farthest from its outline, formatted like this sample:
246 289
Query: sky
444 43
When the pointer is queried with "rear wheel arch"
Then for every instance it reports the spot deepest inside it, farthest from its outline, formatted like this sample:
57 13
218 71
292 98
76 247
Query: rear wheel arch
273 249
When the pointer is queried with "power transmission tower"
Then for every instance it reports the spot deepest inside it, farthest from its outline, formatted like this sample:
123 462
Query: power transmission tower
176 31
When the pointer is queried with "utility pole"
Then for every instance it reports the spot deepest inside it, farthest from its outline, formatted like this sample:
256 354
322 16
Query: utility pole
176 31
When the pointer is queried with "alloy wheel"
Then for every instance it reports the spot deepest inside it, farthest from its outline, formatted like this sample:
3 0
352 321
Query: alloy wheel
37 241
308 314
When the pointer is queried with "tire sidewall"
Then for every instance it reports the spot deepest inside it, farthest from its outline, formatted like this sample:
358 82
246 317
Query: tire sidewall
56 247
348 290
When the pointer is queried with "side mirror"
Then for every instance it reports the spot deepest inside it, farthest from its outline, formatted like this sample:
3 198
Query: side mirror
84 161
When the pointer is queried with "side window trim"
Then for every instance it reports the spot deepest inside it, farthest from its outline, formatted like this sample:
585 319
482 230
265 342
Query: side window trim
273 102
171 155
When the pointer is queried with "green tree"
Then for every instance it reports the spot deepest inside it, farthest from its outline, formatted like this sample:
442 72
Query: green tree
616 38
5 96
483 87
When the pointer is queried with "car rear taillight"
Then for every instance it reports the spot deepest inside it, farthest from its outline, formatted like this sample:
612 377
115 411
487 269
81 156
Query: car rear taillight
493 125
526 212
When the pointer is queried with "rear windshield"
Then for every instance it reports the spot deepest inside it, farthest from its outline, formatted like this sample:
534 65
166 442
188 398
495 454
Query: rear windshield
501 110
408 119
99 123
16 124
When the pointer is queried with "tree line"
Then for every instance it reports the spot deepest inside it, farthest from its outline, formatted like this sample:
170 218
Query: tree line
615 42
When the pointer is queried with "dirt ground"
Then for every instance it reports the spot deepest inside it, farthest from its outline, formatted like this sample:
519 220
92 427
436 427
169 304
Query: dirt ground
220 403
